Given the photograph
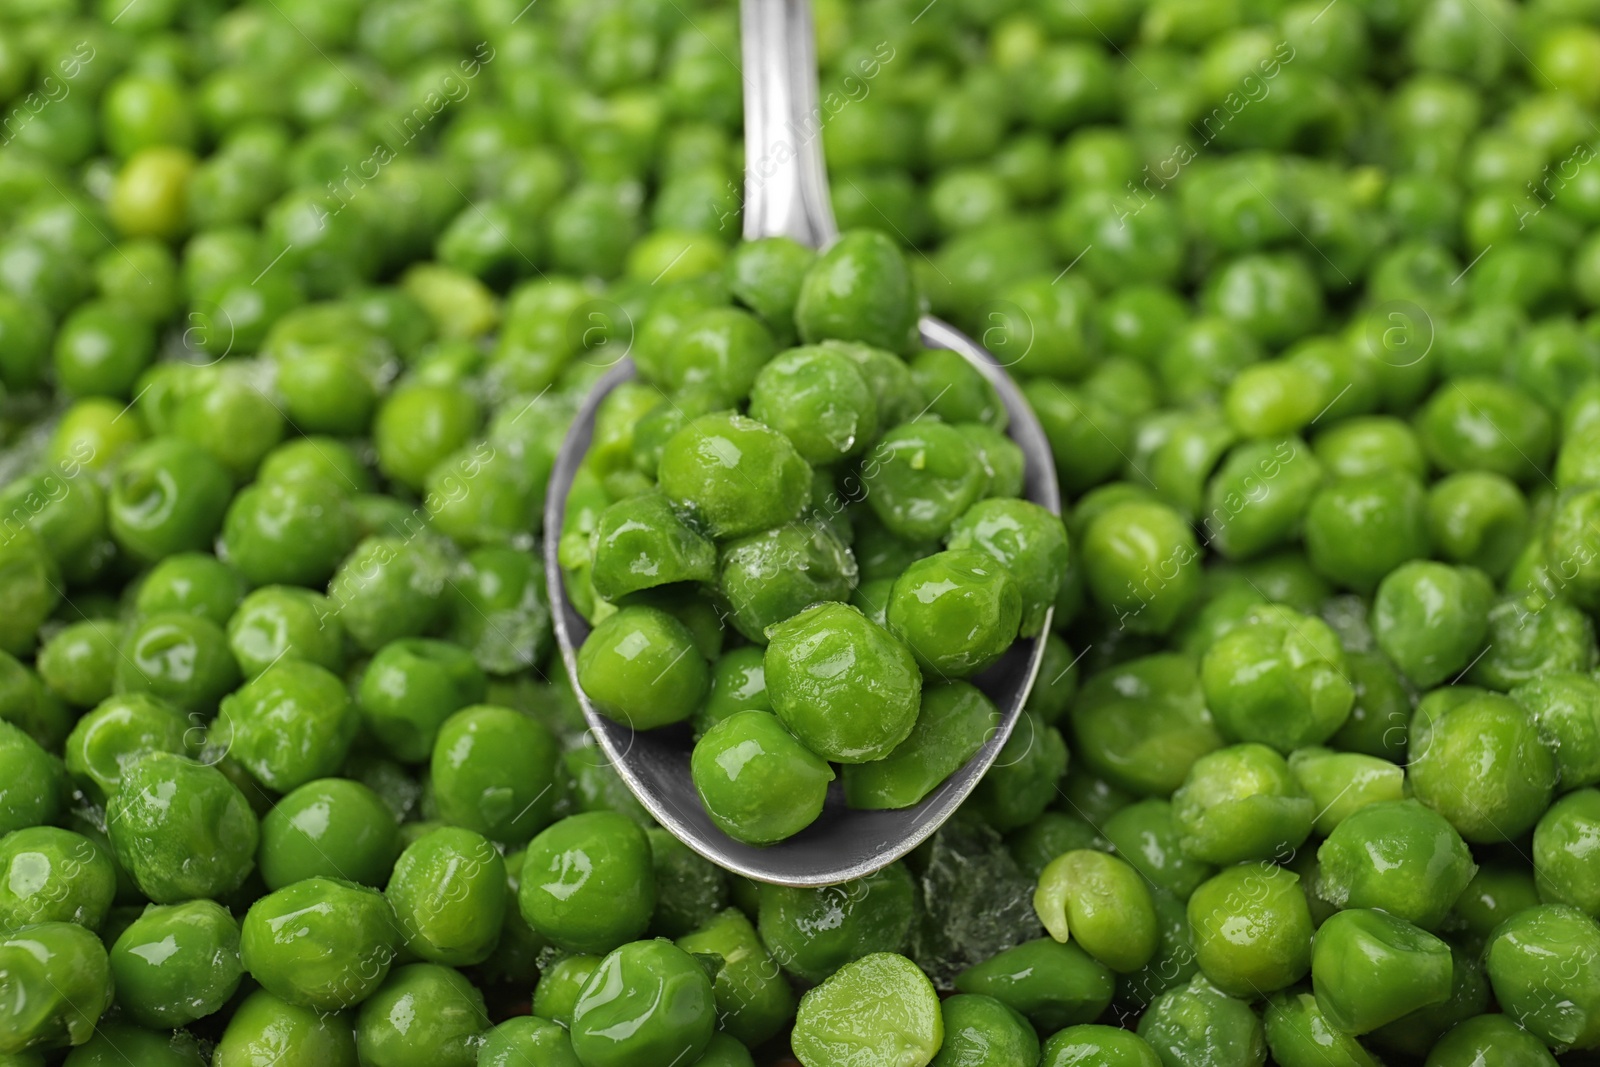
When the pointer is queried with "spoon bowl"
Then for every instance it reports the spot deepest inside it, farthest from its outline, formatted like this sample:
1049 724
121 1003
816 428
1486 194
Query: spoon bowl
789 198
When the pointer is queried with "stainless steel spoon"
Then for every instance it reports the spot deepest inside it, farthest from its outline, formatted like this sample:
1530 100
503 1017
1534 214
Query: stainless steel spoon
786 194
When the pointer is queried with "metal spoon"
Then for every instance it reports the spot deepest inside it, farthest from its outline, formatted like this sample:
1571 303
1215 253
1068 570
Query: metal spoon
786 194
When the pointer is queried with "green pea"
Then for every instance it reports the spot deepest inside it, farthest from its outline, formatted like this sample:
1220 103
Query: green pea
1198 359
119 1043
769 577
1485 1036
738 683
920 478
1252 929
418 426
753 999
101 349
958 611
389 587
117 731
957 391
1101 902
411 687
1359 529
29 579
177 964
69 515
92 432
640 544
1530 636
1054 985
1279 679
291 723
1479 424
27 331
263 1025
596 785
954 721
282 623
1478 518
494 772
647 1003
811 933
1561 857
53 875
1198 1023
1483 766
179 658
1272 398
233 421
1530 963
330 828
1495 893
527 1039
982 1029
820 399
586 882
1141 561
1088 438
633 658
167 496
765 275
860 289
500 609
556 995
1342 783
1041 328
181 828
1367 445
852 716
30 704
1144 834
1398 856
1566 707
1056 684
1259 496
1298 1035
327 458
908 1023
193 582
319 943
1370 968
289 532
1149 752
999 456
734 475
78 664
61 983
1024 777
448 895
723 350
1571 543
1091 1043
423 1014
1241 803
1431 619
784 783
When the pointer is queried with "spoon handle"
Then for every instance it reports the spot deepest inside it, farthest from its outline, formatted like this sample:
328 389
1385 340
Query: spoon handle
785 182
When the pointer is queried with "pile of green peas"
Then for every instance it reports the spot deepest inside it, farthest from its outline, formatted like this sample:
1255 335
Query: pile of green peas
775 574
297 299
